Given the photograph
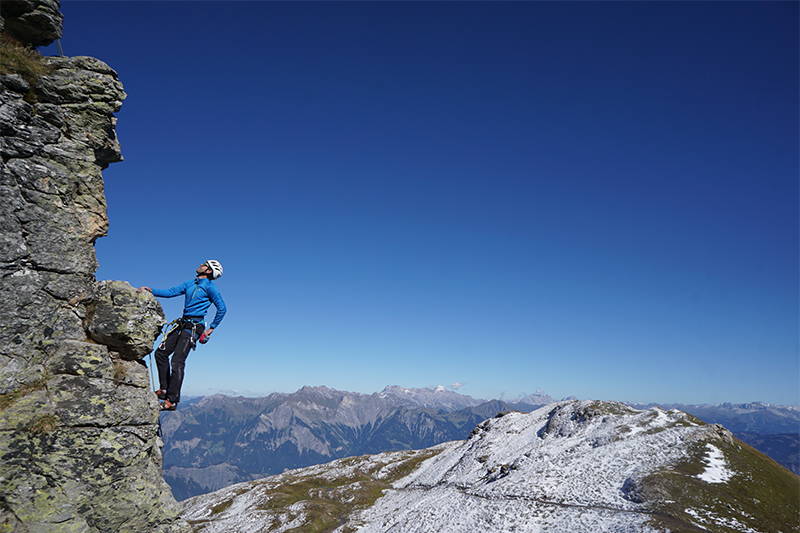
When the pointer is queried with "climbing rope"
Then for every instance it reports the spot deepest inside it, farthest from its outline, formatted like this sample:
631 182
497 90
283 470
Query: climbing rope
150 371
150 368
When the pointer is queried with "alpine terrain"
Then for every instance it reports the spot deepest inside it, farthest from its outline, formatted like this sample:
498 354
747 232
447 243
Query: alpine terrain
572 466
218 440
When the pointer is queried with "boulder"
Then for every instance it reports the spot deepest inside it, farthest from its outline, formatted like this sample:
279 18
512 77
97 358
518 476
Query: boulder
125 319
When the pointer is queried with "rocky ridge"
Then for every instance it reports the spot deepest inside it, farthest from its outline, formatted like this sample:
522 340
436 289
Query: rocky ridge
568 466
78 425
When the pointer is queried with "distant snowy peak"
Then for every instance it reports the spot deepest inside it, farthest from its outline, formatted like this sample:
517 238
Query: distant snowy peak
537 398
568 466
438 397
761 406
316 389
756 417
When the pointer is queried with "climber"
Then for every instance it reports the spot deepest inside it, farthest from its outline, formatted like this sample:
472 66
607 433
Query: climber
184 332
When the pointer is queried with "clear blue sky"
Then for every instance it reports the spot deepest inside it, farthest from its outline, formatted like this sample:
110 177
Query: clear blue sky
596 199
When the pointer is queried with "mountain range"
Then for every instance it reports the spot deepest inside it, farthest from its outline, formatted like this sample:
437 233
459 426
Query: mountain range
218 440
568 466
215 441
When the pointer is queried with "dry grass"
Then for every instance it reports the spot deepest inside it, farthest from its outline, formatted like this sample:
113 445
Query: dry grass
9 398
16 58
43 424
328 503
120 372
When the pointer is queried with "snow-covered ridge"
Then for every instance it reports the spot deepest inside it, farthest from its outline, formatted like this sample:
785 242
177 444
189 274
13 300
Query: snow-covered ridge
571 466
584 439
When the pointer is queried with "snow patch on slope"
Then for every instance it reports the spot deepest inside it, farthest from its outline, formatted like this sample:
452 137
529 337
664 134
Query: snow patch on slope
717 470
706 518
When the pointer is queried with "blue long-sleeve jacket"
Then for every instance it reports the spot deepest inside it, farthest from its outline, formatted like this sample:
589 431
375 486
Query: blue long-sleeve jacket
200 294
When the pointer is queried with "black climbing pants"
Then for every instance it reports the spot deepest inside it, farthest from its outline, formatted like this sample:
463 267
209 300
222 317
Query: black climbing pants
178 343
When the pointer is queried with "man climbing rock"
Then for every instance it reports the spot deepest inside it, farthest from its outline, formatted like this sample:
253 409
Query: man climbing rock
184 332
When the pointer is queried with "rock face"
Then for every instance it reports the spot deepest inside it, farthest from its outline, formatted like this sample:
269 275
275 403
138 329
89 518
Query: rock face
79 449
37 22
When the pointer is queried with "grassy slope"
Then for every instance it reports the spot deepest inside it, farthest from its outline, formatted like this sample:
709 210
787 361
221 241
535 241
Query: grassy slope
762 495
16 58
326 503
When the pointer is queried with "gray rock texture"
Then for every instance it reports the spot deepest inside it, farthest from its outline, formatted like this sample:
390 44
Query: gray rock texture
36 22
125 319
79 450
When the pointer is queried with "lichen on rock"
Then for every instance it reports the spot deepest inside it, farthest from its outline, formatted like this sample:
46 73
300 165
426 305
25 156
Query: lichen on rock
79 449
124 319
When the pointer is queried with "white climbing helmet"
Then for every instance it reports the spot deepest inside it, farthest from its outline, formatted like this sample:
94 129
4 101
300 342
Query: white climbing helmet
216 268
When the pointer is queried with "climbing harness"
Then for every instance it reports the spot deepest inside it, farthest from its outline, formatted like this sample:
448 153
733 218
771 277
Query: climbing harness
171 326
180 323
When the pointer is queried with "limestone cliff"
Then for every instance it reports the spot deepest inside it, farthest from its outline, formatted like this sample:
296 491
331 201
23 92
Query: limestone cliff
79 449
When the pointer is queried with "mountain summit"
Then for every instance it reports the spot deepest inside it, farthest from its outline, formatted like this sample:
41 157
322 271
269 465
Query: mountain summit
568 466
437 397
